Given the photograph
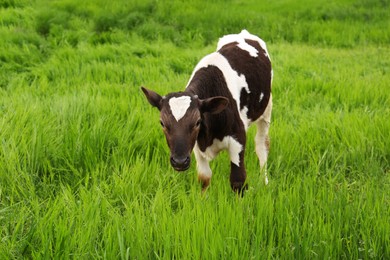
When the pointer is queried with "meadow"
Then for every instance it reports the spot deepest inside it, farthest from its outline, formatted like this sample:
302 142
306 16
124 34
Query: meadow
84 167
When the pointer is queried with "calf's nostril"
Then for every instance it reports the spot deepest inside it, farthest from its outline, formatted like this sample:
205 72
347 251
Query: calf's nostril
187 160
180 162
173 161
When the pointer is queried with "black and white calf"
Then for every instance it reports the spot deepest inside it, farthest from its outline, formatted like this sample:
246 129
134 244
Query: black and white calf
228 90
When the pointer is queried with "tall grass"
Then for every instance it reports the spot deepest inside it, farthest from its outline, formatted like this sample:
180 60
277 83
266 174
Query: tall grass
84 169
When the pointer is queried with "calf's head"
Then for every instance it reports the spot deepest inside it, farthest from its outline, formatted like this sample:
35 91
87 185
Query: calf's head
181 116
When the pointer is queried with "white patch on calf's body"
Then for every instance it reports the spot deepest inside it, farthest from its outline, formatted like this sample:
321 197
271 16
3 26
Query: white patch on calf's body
245 34
244 113
234 81
240 39
234 149
228 143
246 47
179 106
261 97
242 44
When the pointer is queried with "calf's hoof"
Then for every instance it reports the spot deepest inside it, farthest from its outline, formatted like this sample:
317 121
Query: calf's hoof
205 183
239 187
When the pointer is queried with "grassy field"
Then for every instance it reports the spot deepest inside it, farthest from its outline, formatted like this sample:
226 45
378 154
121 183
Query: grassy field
84 168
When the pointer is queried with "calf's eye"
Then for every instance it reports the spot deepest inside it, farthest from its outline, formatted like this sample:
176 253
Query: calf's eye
198 123
162 124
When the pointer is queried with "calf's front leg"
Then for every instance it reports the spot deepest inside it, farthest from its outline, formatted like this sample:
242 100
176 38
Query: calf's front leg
237 167
203 168
237 178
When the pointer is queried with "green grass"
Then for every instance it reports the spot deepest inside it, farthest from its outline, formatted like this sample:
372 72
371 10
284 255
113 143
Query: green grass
84 168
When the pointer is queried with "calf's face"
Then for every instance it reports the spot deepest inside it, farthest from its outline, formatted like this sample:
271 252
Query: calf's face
181 116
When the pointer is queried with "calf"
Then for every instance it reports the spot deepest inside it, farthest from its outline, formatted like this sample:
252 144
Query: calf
228 90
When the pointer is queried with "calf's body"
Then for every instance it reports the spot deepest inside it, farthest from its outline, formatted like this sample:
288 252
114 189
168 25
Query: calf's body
228 91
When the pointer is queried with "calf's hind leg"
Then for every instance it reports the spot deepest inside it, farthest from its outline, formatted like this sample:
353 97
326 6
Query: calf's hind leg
262 139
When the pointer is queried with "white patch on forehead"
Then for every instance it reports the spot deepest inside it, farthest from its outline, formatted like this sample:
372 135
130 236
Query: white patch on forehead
179 106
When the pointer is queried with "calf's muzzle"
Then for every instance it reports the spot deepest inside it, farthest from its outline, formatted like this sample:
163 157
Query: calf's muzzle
180 163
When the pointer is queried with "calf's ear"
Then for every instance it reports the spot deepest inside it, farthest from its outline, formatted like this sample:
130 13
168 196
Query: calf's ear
153 98
213 105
